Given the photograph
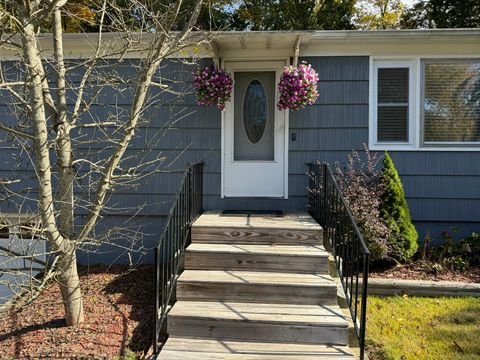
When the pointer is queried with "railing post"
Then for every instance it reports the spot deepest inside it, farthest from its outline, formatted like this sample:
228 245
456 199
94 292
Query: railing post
324 190
363 316
200 189
157 300
191 187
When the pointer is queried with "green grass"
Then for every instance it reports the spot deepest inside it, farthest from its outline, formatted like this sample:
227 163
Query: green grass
423 328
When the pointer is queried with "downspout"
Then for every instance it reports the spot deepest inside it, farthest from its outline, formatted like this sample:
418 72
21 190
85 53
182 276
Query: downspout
216 53
296 51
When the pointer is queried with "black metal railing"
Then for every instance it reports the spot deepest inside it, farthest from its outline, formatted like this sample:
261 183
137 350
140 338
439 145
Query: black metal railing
186 207
329 208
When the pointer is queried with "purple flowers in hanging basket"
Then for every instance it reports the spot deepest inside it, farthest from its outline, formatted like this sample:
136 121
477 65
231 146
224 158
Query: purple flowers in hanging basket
297 87
214 87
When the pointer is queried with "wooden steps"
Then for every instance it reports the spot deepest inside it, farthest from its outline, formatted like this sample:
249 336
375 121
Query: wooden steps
178 348
256 287
259 322
253 286
283 258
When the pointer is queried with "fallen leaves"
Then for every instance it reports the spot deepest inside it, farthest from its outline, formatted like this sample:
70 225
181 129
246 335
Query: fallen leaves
422 270
119 306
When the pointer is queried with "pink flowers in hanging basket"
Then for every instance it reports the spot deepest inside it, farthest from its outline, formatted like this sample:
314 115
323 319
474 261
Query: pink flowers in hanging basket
297 87
214 87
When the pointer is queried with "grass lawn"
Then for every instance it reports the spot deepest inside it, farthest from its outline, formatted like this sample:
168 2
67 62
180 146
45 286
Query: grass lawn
423 328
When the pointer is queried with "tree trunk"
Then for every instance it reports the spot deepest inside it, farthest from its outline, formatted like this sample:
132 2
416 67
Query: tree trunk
68 278
62 128
70 287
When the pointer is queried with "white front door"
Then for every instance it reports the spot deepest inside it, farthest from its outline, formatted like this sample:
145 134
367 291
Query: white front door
254 142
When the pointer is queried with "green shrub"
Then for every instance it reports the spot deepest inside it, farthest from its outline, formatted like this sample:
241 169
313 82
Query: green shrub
455 254
394 210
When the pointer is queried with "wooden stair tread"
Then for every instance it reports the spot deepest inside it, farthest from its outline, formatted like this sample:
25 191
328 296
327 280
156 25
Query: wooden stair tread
256 277
278 250
289 221
282 314
292 258
201 348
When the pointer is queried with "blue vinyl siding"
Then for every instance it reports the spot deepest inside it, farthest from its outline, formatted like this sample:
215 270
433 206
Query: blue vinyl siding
443 188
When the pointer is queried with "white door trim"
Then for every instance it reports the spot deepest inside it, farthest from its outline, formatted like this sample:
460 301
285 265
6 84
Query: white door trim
239 64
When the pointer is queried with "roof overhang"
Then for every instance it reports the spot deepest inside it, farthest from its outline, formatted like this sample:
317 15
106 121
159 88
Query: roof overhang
287 39
346 42
251 44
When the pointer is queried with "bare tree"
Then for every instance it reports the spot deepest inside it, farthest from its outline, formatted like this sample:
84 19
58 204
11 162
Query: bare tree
53 114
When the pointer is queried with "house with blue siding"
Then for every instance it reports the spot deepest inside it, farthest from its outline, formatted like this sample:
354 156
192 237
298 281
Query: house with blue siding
413 93
239 230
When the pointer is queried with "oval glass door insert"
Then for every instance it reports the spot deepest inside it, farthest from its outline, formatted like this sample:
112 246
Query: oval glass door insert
255 111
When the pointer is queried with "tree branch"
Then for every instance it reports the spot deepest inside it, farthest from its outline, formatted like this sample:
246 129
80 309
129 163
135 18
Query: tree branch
151 64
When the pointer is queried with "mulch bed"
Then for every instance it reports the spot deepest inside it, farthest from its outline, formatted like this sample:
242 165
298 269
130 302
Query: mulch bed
424 270
119 312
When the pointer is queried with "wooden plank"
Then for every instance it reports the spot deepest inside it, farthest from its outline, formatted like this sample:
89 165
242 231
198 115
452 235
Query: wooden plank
257 277
193 355
291 228
255 293
257 331
200 348
314 251
256 287
314 315
255 236
288 221
226 346
299 259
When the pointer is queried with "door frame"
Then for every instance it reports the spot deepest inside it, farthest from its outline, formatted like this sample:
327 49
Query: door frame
257 64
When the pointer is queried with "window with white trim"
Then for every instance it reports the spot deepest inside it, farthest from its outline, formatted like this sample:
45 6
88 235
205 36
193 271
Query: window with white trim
393 103
425 104
451 102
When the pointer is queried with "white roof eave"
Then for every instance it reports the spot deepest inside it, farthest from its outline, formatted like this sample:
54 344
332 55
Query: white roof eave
231 43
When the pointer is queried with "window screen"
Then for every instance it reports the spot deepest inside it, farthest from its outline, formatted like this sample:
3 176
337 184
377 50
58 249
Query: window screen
451 101
392 104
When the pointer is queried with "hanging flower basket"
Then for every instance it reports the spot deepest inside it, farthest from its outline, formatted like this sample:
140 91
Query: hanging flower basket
297 87
213 86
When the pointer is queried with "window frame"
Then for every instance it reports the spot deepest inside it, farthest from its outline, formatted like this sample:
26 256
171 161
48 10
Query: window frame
392 63
417 92
435 144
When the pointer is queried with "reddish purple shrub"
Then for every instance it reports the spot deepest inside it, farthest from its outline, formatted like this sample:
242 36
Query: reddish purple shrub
363 188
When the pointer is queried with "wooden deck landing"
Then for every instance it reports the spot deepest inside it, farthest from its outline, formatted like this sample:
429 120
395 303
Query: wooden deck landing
287 221
290 229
